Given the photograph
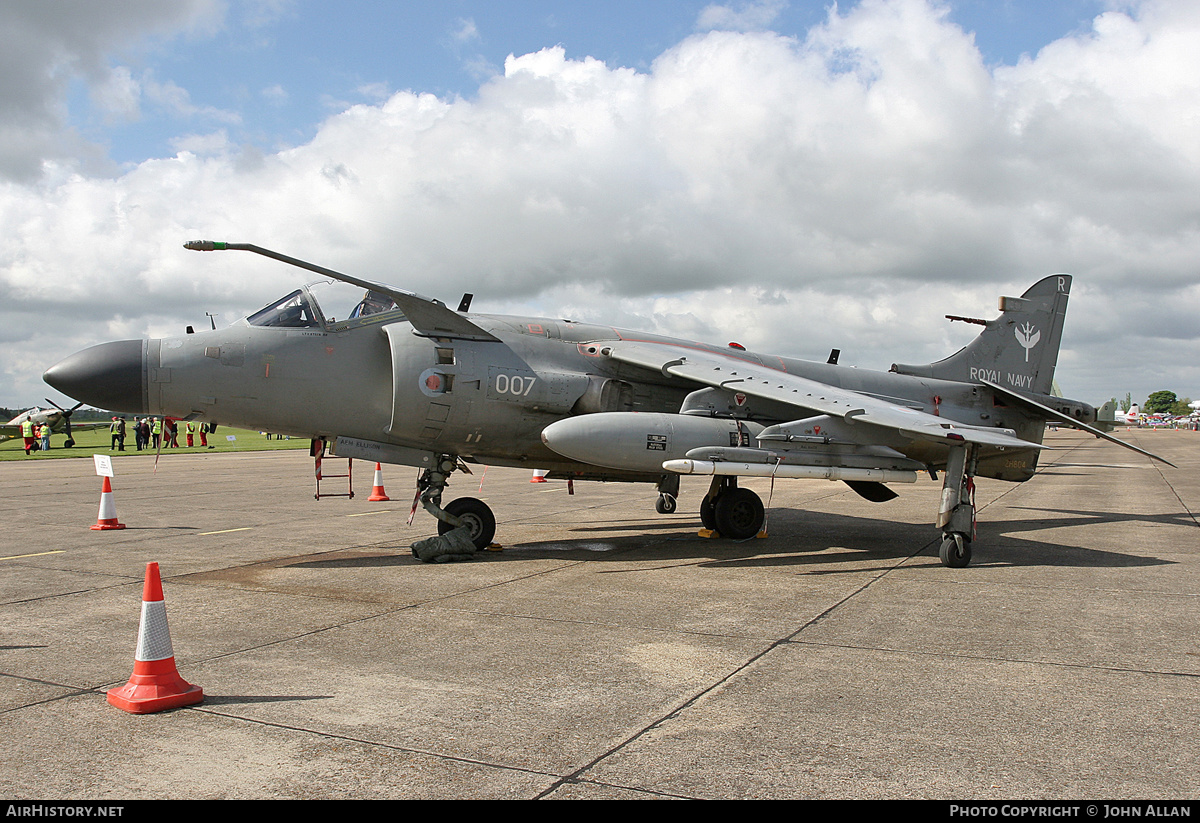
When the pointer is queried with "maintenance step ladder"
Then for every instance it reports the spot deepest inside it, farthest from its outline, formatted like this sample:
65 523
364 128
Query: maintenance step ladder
317 450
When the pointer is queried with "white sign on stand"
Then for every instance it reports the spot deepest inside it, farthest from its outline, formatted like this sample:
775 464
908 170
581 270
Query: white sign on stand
231 438
103 465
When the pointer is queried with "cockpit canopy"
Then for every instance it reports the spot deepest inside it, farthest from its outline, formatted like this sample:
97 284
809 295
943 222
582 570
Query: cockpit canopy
295 311
341 306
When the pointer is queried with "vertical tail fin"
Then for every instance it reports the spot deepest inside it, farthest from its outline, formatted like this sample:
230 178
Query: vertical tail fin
1019 349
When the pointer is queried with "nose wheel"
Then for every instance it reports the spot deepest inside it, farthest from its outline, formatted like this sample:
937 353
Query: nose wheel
470 519
475 515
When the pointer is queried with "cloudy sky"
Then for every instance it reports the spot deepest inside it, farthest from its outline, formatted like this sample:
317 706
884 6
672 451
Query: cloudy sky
794 176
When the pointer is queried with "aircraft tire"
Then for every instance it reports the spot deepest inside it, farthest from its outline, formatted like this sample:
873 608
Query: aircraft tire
665 504
476 516
708 514
739 514
956 551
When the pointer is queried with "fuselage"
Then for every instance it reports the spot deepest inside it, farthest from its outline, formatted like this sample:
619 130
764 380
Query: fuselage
488 401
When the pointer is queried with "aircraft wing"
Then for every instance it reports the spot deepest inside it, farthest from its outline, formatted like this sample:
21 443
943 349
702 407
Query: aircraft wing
103 424
809 397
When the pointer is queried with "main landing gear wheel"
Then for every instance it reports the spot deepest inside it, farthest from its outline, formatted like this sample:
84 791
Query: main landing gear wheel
955 551
708 514
476 516
738 513
666 504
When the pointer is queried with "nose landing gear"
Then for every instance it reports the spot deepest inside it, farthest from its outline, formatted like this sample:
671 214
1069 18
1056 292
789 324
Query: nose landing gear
465 525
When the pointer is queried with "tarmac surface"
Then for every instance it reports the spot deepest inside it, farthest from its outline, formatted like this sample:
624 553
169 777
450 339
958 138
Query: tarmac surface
607 652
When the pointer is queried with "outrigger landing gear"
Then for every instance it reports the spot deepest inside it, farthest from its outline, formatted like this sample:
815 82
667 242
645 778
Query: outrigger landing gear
465 525
956 517
668 494
730 511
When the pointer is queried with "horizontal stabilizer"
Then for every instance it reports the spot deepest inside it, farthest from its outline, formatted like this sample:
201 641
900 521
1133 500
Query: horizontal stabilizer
1066 420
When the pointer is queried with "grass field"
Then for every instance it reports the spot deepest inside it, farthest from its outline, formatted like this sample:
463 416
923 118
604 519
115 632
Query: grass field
99 440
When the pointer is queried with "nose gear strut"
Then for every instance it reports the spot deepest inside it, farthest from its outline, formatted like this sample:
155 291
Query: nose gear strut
465 525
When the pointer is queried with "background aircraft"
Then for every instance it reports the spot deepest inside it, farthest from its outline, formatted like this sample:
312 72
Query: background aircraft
404 379
1129 418
59 420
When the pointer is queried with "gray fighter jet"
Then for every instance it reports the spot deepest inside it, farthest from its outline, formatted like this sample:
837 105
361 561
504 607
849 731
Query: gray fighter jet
405 379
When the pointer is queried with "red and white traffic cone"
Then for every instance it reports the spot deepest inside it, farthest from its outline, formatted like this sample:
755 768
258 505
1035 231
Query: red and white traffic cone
155 685
539 476
377 492
107 518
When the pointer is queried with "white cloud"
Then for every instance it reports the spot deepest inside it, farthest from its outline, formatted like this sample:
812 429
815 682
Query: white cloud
465 31
745 16
275 95
46 45
216 142
845 190
119 94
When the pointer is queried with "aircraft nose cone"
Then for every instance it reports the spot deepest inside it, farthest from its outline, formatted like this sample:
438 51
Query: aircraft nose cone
110 376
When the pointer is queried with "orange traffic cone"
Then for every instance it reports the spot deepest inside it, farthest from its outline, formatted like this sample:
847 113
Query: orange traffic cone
107 518
155 685
377 492
539 476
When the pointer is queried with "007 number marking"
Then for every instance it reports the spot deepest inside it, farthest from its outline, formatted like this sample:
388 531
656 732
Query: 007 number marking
514 384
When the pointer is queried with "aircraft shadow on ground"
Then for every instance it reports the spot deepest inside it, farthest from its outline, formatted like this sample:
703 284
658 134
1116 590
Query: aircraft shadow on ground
1088 517
820 539
819 542
809 539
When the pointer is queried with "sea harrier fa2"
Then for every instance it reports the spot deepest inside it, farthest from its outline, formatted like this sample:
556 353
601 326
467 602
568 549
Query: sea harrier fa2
401 378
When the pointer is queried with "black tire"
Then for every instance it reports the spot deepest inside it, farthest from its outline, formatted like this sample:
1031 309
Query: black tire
739 514
476 516
955 554
665 504
708 514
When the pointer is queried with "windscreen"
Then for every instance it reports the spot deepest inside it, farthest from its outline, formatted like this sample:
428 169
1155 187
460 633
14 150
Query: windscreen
292 312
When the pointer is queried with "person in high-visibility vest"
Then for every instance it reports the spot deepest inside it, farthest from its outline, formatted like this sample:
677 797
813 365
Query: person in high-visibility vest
156 431
191 429
115 433
44 433
204 435
27 433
